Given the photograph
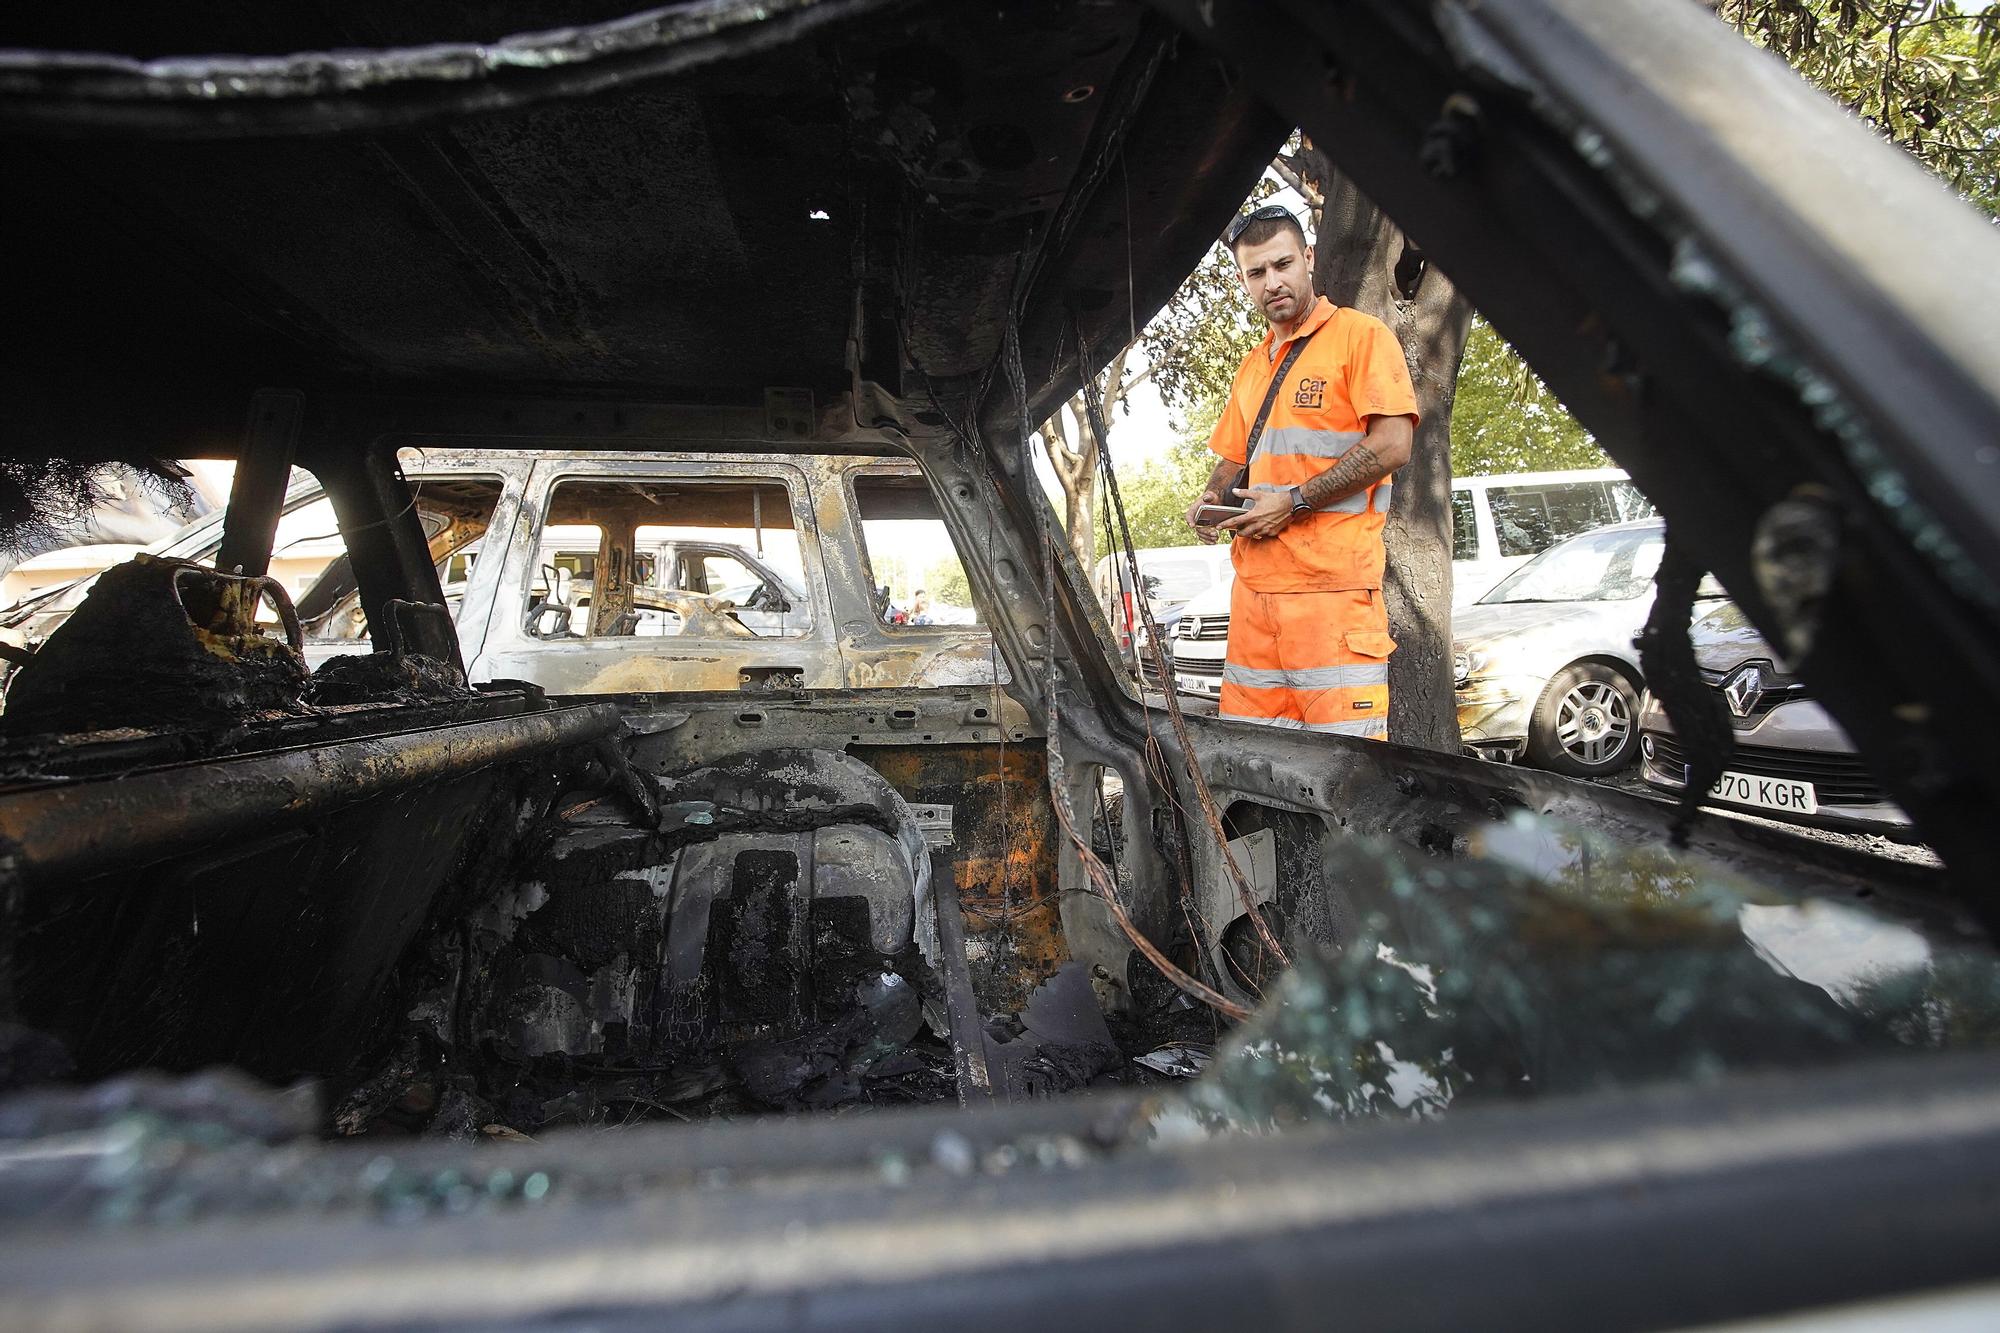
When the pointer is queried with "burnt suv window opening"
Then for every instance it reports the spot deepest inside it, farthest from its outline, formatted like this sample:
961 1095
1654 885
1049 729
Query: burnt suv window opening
915 571
657 559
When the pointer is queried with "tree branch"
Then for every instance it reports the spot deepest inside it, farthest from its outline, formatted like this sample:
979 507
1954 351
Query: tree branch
1115 387
1289 172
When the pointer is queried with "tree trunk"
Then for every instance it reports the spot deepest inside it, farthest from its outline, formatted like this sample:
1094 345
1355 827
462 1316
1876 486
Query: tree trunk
1080 495
1073 448
1362 259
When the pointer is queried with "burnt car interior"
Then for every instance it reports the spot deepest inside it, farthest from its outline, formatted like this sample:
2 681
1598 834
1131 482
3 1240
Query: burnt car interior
487 964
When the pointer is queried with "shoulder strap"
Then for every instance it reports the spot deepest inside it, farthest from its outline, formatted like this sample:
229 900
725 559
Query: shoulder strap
1271 396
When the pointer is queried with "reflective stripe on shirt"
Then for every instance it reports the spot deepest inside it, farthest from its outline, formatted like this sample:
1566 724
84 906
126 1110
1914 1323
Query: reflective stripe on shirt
1301 442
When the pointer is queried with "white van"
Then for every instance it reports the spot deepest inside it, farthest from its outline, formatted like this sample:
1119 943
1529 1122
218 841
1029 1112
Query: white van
1498 522
1173 575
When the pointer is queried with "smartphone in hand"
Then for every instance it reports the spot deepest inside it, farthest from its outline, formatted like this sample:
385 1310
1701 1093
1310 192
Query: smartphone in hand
1208 516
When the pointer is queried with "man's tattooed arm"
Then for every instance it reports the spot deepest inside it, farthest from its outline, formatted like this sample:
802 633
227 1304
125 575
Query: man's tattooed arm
1374 456
1385 448
1357 470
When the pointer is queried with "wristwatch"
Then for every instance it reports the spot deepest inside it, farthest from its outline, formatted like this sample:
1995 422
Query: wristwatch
1299 505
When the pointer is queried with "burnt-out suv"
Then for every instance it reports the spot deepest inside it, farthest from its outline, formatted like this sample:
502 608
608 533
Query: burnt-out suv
848 974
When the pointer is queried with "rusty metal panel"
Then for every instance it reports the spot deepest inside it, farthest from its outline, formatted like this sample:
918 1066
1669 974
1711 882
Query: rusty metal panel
1003 861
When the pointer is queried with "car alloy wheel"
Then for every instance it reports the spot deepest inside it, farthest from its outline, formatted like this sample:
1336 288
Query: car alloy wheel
1587 722
1592 722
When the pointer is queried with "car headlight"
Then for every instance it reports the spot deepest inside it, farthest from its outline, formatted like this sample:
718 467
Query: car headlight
1465 662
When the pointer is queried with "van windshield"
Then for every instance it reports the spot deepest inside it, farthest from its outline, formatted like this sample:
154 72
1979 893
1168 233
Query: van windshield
1528 519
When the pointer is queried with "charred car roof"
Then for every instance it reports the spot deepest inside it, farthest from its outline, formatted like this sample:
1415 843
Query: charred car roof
818 183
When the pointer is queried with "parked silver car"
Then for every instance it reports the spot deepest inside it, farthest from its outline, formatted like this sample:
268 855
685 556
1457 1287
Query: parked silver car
1792 760
1544 664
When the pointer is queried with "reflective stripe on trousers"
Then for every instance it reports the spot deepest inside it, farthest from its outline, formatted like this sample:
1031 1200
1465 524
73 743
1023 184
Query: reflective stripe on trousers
1314 661
1377 729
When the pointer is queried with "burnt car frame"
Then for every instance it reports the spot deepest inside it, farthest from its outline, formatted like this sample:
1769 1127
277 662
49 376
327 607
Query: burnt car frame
1701 257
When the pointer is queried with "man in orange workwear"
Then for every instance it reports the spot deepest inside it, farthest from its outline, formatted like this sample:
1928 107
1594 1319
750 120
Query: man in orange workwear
1324 410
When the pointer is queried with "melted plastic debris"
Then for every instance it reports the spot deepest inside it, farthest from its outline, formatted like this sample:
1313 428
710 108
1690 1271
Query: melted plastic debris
837 1063
46 503
1554 961
160 643
385 677
1177 1060
1058 1043
750 943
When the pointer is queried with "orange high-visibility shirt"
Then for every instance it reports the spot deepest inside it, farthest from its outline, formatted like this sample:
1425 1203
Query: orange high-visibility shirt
1353 369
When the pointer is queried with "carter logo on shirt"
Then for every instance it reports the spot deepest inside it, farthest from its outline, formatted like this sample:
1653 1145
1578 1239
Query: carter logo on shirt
1312 393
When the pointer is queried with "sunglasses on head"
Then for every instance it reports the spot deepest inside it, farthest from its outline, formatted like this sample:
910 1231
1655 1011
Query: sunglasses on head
1269 212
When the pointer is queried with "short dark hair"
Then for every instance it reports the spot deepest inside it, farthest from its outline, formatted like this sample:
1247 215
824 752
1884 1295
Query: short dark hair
1261 224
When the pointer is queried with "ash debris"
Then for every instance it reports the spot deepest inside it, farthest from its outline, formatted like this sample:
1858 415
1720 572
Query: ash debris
734 940
749 937
168 644
382 677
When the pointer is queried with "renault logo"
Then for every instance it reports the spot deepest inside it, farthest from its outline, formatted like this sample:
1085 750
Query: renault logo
1743 688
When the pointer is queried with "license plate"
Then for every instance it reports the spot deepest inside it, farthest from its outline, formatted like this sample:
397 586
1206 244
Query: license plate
1781 794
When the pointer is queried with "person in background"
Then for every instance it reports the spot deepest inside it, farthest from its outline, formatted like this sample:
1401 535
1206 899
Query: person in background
1323 411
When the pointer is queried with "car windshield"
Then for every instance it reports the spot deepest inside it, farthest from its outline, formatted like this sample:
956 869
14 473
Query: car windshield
1608 565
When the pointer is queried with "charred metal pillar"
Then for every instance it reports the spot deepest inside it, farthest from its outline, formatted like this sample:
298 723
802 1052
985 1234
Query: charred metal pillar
388 551
257 494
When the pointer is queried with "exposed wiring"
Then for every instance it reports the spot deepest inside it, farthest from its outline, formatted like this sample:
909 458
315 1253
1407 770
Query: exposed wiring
1094 406
1100 878
416 490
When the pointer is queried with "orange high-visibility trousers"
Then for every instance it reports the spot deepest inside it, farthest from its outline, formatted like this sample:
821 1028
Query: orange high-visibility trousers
1316 660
